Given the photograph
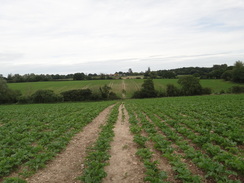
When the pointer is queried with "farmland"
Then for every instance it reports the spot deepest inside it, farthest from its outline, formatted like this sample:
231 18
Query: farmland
129 85
181 139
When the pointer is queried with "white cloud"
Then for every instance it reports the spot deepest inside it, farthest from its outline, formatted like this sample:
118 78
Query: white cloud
88 32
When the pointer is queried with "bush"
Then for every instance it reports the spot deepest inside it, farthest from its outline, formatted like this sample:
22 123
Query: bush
147 90
190 85
45 96
77 95
7 95
24 100
237 89
206 91
172 90
106 93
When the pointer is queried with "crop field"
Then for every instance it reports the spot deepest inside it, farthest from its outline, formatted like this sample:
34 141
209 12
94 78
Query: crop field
30 135
180 139
201 139
128 85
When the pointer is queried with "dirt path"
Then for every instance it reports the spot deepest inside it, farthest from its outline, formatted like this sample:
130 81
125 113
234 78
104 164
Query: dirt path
123 89
68 165
124 165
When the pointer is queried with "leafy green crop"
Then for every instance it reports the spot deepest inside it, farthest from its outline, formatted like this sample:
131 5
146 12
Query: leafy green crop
207 130
31 135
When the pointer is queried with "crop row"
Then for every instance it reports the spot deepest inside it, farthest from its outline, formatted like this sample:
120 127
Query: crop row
98 154
173 130
31 135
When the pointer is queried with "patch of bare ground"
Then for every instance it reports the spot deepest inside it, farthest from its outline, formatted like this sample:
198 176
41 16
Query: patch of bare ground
69 163
124 166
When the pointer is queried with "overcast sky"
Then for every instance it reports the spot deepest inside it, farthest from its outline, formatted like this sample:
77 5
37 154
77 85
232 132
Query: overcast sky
105 36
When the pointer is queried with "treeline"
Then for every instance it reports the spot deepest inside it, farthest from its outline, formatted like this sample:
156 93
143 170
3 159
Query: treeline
189 86
229 73
8 96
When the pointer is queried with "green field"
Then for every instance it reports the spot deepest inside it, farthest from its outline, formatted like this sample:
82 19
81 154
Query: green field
130 85
201 138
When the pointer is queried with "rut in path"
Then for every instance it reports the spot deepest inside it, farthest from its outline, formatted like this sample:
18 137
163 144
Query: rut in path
68 165
124 166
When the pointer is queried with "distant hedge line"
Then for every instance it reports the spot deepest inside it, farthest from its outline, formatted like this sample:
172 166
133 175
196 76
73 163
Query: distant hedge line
8 96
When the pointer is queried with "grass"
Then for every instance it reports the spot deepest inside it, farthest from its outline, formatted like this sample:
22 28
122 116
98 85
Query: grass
129 85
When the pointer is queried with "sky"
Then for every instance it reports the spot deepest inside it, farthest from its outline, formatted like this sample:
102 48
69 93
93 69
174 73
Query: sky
106 36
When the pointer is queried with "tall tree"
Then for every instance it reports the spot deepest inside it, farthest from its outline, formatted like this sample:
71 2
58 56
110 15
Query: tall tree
238 72
190 85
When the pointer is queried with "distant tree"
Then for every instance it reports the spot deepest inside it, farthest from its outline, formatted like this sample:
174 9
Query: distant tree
147 73
102 76
106 92
147 90
238 72
7 95
166 74
227 75
153 75
130 72
172 90
79 76
190 85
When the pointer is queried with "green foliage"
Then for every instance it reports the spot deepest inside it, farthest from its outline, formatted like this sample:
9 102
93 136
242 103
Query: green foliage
31 135
98 156
7 95
172 90
238 72
106 93
14 180
237 89
190 85
77 95
147 90
227 75
205 130
45 96
79 76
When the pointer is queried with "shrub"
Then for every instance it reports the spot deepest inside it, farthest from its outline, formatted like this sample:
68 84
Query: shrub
24 100
190 85
77 95
172 90
206 91
106 93
237 89
147 90
7 95
45 96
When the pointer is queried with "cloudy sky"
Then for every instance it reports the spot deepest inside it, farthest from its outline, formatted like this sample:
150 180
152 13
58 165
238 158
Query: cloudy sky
105 36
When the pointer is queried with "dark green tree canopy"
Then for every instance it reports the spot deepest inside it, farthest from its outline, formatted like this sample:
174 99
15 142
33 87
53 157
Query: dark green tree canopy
147 90
238 72
7 95
190 85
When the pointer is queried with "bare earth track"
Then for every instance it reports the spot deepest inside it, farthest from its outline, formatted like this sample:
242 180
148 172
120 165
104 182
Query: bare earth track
124 166
68 164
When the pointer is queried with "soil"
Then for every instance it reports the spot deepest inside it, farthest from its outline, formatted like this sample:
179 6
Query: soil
124 165
68 165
